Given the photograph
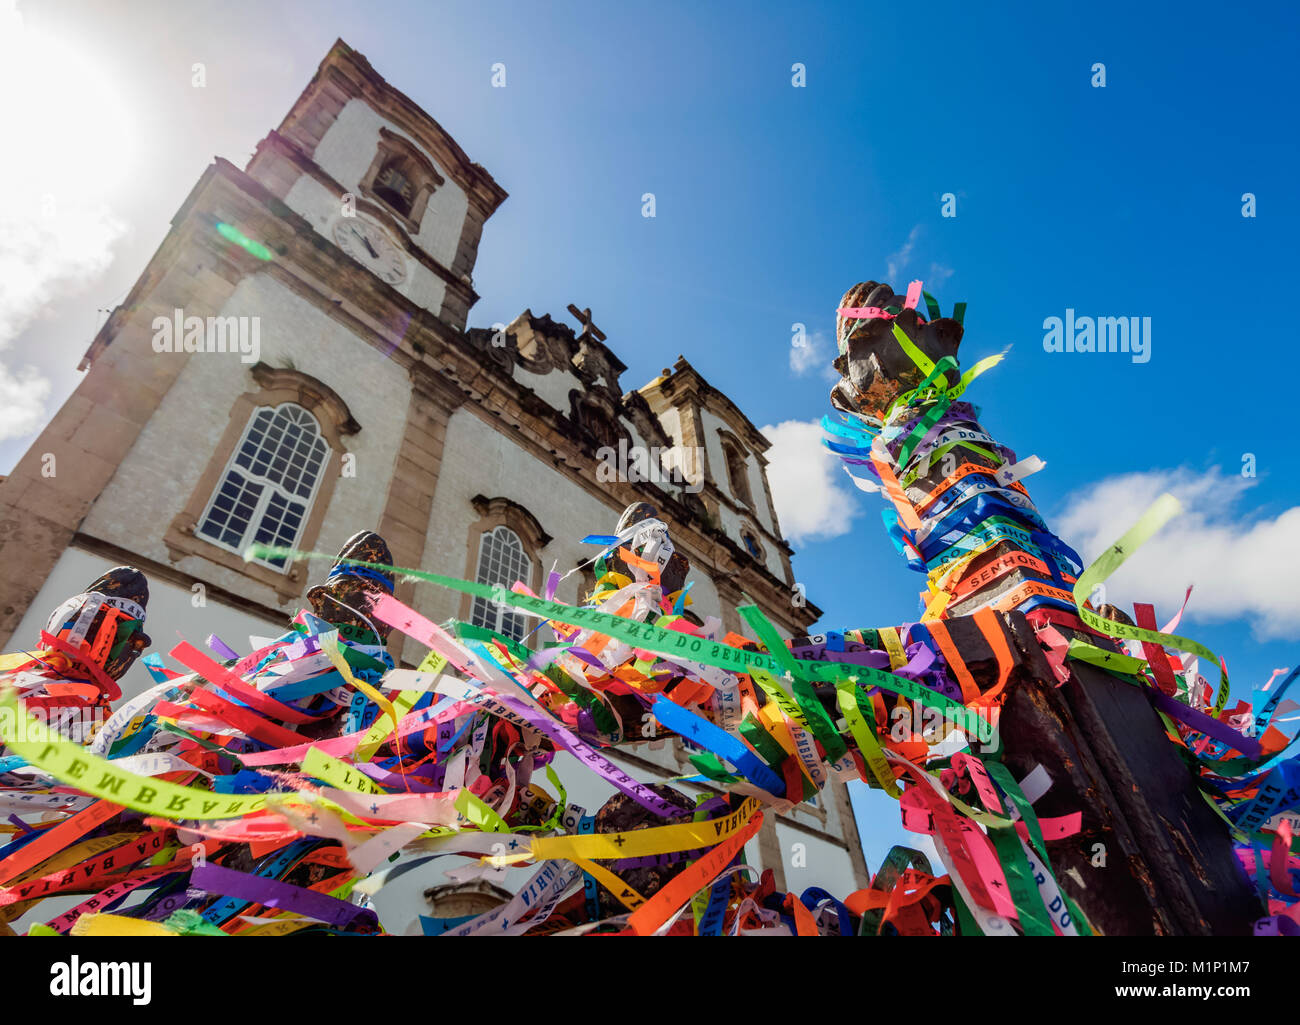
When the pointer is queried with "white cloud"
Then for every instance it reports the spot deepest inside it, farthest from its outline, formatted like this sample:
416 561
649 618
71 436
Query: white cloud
1242 567
938 275
897 261
813 497
814 356
22 397
56 229
42 254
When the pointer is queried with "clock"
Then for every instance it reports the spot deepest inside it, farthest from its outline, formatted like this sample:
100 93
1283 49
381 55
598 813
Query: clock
371 246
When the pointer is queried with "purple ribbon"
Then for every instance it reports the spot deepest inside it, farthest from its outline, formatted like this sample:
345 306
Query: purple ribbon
21 824
411 783
860 657
275 894
1276 925
221 647
1248 746
597 762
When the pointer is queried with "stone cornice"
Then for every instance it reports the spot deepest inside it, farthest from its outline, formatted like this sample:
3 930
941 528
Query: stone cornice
436 387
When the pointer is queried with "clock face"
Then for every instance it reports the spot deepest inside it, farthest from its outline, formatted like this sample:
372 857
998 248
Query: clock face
371 247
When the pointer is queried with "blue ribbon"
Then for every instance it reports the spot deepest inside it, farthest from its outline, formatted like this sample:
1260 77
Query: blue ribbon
703 733
968 515
818 895
950 533
375 576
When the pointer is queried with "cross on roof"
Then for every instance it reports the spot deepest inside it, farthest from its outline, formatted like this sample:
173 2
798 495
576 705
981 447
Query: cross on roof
589 329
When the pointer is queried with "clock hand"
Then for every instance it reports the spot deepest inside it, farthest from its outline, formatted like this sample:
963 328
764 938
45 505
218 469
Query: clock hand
366 242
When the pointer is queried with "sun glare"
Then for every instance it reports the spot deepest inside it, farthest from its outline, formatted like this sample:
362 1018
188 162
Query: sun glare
72 133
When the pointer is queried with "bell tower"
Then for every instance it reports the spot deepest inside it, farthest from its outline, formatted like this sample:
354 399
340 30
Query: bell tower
376 176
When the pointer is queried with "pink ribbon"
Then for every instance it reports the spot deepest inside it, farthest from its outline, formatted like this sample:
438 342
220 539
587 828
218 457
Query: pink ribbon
877 313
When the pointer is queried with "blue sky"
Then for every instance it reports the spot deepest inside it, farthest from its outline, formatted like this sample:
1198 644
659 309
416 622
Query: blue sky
770 201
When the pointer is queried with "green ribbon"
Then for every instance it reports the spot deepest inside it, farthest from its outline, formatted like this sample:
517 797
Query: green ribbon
1156 516
670 643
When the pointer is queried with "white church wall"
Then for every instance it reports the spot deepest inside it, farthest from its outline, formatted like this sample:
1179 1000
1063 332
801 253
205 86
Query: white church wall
671 421
772 560
657 466
817 862
772 563
730 524
759 511
758 488
479 460
346 151
703 596
173 449
718 460
713 446
691 463
806 815
552 388
320 207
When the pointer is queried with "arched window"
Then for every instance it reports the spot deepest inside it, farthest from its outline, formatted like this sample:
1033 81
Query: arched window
737 472
501 560
402 178
751 544
394 186
270 478
269 483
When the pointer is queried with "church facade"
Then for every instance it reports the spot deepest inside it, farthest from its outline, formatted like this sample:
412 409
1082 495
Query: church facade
294 364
